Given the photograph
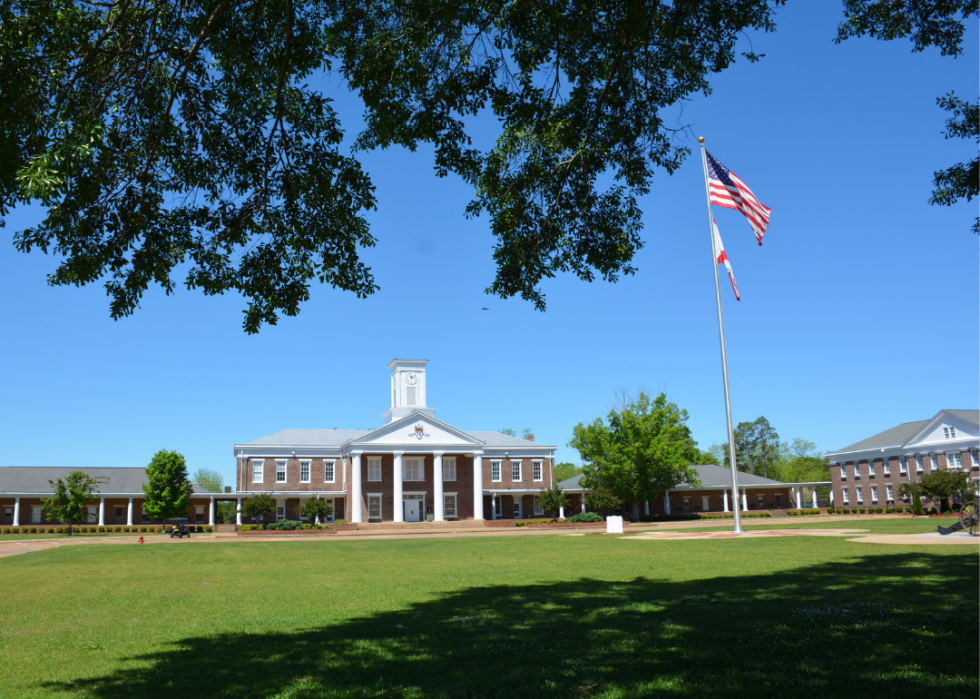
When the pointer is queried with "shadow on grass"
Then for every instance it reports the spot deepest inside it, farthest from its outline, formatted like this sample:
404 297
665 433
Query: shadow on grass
885 625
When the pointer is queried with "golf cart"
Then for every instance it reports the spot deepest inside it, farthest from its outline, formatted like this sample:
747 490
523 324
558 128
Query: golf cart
179 528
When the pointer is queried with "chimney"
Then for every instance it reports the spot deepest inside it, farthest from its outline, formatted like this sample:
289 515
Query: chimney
530 438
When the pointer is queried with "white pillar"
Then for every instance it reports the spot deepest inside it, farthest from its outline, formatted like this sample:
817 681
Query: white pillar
101 512
646 507
583 502
814 497
831 497
666 504
561 512
745 501
399 495
493 505
799 501
440 501
355 488
724 498
238 512
17 512
211 513
477 487
129 514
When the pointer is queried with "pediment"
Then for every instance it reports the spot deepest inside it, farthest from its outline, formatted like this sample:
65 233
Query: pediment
417 430
937 432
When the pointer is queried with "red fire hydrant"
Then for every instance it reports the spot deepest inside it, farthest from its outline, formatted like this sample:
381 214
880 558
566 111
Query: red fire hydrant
141 539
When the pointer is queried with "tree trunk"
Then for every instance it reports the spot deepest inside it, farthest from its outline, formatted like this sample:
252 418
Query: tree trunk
636 511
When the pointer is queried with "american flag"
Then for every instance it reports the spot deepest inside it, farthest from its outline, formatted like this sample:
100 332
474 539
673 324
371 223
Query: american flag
729 191
721 256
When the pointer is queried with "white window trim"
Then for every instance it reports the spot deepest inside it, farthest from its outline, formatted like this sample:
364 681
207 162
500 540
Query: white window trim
495 465
374 462
844 498
333 471
518 464
903 466
886 467
889 493
36 514
448 462
874 494
260 465
860 495
934 461
445 509
871 468
537 471
284 471
283 515
309 469
380 498
918 463
412 462
956 458
843 472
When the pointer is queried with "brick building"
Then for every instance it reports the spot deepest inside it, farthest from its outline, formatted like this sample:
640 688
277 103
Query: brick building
119 500
869 472
414 468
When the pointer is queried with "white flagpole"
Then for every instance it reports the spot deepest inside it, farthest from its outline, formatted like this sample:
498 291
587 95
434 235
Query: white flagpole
736 500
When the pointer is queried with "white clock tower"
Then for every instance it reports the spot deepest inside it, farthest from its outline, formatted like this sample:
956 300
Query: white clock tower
407 389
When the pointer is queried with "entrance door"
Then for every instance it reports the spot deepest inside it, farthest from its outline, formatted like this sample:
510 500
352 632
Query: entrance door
413 511
8 515
687 505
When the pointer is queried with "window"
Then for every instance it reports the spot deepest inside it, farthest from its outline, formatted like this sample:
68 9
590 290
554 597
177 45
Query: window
199 514
871 468
902 466
889 493
949 432
495 471
934 459
449 468
536 471
257 471
946 432
414 469
538 510
843 472
119 513
374 506
449 504
779 500
328 471
515 469
760 498
704 503
844 494
374 468
280 472
35 515
280 512
304 471
498 506
860 495
857 471
918 463
517 508
975 457
145 517
93 514
886 466
953 460
874 493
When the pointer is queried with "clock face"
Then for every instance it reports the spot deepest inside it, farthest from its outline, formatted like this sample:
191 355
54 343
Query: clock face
411 378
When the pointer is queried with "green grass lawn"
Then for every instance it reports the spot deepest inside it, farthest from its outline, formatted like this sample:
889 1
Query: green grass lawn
510 616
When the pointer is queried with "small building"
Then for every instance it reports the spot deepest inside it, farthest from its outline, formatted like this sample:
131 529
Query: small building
714 495
119 502
414 468
870 472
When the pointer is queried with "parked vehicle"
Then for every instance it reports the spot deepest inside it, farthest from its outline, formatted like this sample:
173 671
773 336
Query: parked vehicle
179 528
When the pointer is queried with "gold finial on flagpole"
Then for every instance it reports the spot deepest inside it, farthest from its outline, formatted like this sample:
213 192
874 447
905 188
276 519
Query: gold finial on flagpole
700 139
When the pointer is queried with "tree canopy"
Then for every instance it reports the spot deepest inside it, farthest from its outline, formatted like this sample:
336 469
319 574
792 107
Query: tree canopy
644 449
209 480
168 489
70 499
258 505
160 135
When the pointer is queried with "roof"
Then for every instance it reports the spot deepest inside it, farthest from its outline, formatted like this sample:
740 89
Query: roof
900 434
34 479
709 475
335 438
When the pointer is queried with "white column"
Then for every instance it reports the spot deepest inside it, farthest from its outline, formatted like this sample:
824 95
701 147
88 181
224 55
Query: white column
211 514
398 497
477 487
101 512
238 511
745 501
724 498
799 501
17 512
129 513
583 502
666 504
814 497
646 507
561 512
831 497
493 505
440 501
355 488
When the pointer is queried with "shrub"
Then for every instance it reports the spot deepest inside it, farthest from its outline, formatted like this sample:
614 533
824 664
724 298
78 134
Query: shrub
284 525
344 521
6 530
250 527
208 528
586 517
830 510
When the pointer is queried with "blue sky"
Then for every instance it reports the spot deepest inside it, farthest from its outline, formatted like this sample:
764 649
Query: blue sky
859 312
